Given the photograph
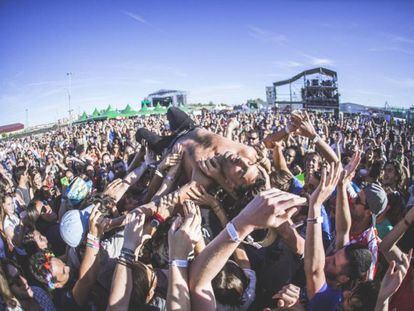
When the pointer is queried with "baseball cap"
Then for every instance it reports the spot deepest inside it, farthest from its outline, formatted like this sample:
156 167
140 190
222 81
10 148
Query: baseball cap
376 199
74 225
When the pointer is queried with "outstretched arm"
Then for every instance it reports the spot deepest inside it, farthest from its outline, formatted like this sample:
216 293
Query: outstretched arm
388 246
314 251
269 209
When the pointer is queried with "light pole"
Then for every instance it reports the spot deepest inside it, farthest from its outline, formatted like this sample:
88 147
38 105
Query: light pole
69 90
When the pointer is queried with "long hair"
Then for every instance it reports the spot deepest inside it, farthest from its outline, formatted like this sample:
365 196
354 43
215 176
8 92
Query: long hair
5 291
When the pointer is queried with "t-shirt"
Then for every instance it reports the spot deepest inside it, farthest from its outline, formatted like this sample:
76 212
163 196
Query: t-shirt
383 228
43 299
326 299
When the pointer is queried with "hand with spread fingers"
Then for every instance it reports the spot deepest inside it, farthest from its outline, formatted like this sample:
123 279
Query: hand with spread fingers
97 222
288 296
269 209
169 201
211 168
185 232
349 170
200 196
303 123
327 183
134 230
172 159
115 189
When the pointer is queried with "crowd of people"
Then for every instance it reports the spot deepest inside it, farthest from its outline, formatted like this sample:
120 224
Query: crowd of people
213 211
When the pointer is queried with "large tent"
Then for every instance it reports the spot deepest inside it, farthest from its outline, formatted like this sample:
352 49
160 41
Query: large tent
129 112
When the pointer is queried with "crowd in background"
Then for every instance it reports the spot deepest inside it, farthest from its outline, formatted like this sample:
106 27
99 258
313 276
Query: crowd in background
302 211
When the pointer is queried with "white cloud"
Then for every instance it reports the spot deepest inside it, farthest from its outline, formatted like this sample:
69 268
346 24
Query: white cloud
136 17
266 35
288 63
318 61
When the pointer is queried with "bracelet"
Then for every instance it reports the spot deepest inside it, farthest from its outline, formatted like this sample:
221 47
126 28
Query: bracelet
127 256
94 246
156 220
92 237
158 173
316 139
124 261
180 263
316 220
231 230
407 222
127 251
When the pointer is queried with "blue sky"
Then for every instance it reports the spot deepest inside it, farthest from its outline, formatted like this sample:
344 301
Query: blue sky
223 51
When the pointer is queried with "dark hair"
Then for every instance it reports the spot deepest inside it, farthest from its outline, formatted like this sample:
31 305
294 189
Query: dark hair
32 213
359 260
229 285
366 293
18 173
281 179
140 286
376 169
397 206
399 173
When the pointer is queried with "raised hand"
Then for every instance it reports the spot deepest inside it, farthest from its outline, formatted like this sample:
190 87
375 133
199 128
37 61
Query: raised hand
211 168
97 222
202 197
184 233
349 170
269 209
288 296
115 189
394 276
134 228
171 159
327 184
303 123
169 201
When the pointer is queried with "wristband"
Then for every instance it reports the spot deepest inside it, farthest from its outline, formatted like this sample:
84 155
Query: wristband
92 237
316 220
231 230
94 246
287 129
158 173
156 220
180 263
316 139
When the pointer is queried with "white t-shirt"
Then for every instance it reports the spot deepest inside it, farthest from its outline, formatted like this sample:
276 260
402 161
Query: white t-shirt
13 222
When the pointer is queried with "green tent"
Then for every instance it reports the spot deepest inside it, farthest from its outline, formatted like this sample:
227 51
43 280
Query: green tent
83 117
95 113
128 112
144 108
159 109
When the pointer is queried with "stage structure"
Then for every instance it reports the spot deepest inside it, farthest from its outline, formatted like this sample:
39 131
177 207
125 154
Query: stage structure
167 98
315 89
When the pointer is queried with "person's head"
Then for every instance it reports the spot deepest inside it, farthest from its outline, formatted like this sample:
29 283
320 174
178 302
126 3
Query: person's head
393 175
49 270
378 139
90 171
362 297
370 202
238 170
376 171
69 175
253 138
20 175
7 205
378 154
35 241
280 179
36 180
40 209
349 263
17 283
399 149
290 155
144 282
106 159
229 285
312 163
369 155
